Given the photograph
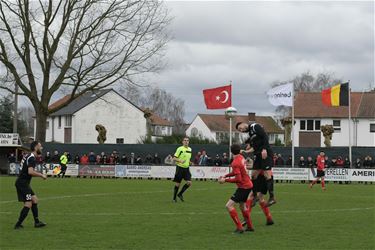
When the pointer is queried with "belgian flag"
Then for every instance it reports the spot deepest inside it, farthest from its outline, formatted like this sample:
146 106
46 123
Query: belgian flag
337 95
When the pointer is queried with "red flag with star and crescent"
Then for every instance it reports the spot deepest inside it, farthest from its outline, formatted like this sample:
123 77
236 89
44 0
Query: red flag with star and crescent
218 98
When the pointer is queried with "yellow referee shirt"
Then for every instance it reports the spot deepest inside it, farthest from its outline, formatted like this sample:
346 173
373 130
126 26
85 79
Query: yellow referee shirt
183 153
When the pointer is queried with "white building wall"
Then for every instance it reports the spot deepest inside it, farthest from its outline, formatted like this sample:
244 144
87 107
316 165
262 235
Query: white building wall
203 130
58 131
119 117
364 137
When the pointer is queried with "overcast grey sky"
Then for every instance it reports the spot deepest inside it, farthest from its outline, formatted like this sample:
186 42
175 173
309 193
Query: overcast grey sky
256 43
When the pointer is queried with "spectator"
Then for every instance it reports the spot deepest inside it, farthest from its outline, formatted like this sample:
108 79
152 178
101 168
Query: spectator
334 162
358 163
117 157
203 159
92 158
132 159
12 158
111 159
47 157
274 158
327 162
105 160
310 163
346 163
84 160
197 158
218 161
280 161
98 159
124 159
225 159
69 157
138 161
148 159
289 161
367 163
156 160
168 160
56 157
302 162
77 159
209 162
340 162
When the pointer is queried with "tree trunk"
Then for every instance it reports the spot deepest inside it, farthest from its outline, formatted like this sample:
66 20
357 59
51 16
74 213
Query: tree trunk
41 124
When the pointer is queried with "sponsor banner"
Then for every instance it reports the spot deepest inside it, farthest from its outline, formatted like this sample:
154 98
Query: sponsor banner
297 174
163 171
209 172
281 95
120 171
14 168
362 175
55 169
332 174
97 170
138 171
9 139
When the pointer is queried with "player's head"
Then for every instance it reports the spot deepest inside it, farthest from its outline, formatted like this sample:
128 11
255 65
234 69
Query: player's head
242 127
185 141
235 149
36 147
321 153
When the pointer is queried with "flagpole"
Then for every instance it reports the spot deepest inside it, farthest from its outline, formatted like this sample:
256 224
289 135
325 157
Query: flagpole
293 127
350 134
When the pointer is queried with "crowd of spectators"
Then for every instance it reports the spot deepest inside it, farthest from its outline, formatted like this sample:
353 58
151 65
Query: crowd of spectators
200 159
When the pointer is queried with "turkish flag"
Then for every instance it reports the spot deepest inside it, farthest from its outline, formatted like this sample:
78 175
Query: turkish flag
218 98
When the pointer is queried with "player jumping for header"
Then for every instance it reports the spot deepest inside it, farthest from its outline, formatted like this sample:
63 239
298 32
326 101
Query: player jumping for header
258 144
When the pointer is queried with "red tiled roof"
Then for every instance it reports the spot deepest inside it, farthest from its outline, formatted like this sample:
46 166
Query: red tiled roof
59 102
220 123
309 104
157 120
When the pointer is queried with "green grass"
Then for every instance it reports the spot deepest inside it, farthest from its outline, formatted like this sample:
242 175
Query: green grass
139 214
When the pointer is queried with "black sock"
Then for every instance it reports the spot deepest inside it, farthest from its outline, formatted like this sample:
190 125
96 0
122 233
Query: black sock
175 192
34 209
186 186
23 215
270 187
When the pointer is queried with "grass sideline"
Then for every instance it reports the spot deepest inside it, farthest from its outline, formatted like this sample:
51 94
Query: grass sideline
139 214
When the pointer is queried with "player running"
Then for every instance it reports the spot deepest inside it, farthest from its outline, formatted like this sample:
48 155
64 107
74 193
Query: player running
182 158
320 162
244 186
24 191
63 162
259 144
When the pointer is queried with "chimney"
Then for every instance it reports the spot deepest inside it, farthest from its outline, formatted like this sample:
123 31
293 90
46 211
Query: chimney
251 116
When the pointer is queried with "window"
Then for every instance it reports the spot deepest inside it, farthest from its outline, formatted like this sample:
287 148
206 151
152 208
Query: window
317 124
310 124
194 132
120 140
47 125
60 121
302 125
68 121
337 125
372 127
272 137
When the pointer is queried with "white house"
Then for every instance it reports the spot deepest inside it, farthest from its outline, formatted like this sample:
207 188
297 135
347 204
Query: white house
160 127
216 127
311 114
75 123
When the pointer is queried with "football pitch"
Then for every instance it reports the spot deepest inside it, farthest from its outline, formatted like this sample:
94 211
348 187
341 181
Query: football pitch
139 214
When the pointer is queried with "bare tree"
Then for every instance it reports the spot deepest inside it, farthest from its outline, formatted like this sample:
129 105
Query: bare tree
77 46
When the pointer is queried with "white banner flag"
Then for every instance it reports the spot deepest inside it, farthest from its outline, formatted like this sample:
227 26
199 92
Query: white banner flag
281 95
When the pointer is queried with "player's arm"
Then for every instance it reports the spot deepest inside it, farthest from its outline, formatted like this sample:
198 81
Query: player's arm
237 177
248 149
30 170
176 155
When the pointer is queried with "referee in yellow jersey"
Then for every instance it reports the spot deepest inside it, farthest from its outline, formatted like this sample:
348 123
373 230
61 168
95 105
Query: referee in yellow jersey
182 158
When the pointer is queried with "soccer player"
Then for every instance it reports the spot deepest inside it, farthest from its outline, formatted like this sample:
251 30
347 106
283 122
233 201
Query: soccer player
320 162
24 191
182 158
258 144
63 162
244 186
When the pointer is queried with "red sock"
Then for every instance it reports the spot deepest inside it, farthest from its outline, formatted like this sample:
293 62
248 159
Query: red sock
246 216
323 183
249 202
236 220
266 210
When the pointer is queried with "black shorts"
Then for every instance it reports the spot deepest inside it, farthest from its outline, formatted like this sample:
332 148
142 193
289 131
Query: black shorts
320 173
240 195
182 173
260 185
63 168
24 192
260 164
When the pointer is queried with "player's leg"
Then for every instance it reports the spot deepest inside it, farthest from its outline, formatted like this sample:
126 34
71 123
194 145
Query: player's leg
246 215
34 210
233 214
24 195
262 202
323 183
267 165
177 180
187 178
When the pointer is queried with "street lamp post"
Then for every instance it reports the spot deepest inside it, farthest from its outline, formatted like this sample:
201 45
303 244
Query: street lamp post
229 114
